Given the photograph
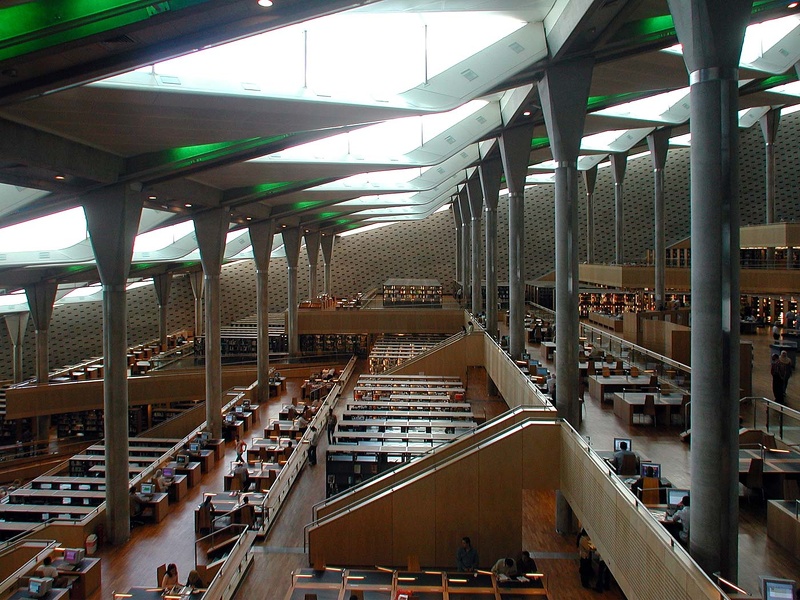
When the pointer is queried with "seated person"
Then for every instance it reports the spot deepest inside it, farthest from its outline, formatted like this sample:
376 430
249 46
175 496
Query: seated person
681 517
619 457
162 485
194 580
240 471
526 564
247 513
505 567
636 486
135 503
301 422
466 556
48 570
170 579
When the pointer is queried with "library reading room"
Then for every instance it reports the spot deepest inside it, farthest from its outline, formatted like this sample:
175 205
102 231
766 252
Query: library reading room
253 350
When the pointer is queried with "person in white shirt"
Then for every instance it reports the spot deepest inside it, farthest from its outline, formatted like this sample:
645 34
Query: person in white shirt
682 517
48 570
506 567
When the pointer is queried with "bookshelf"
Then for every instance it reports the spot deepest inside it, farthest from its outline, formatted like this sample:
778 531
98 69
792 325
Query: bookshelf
425 293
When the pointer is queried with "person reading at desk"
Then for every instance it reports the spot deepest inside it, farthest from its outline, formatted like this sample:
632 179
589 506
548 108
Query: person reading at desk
619 458
48 570
466 556
681 517
505 567
240 471
170 579
195 581
162 485
526 564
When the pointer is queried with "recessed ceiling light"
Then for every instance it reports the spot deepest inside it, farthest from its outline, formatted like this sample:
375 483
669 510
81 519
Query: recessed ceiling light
265 3
284 226
249 218
152 197
60 177
527 113
793 5
187 205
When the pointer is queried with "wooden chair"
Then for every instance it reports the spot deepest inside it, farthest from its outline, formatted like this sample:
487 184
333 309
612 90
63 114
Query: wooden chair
161 570
294 400
275 432
634 371
650 407
629 466
247 515
754 478
236 484
203 523
606 372
413 563
650 492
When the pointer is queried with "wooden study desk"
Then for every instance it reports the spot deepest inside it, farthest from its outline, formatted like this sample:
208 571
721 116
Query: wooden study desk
470 584
599 385
778 467
521 586
628 404
548 349
192 470
53 594
156 593
262 477
227 504
159 503
783 525
233 429
205 458
178 487
86 577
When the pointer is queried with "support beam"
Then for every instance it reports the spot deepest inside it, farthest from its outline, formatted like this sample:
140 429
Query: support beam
658 143
198 291
291 243
475 201
459 242
112 219
327 242
261 237
564 91
769 129
312 249
41 298
490 171
712 32
16 324
619 161
515 150
162 284
466 227
590 180
211 229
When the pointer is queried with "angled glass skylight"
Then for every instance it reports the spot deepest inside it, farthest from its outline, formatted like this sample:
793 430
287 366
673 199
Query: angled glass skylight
354 56
750 116
158 239
669 107
585 163
772 46
684 140
53 232
431 137
13 197
378 200
17 302
83 293
615 140
789 89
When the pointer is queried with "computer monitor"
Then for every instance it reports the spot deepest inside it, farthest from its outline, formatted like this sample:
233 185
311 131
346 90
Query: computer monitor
181 459
246 403
148 488
39 586
618 441
675 496
74 556
168 472
194 447
773 588
541 371
238 409
651 470
230 417
205 436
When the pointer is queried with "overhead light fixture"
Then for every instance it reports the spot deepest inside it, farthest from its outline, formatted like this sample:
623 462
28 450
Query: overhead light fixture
187 205
60 178
527 113
265 3
792 5
152 197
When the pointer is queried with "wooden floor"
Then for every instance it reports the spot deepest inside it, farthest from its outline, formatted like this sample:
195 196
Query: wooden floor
173 540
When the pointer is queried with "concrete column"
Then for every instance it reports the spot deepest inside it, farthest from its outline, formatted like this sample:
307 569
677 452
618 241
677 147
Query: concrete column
312 249
112 218
41 298
619 161
490 171
564 91
589 180
658 143
291 243
475 200
211 229
466 242
327 242
789 257
261 237
711 32
459 241
198 291
769 129
515 150
16 324
162 284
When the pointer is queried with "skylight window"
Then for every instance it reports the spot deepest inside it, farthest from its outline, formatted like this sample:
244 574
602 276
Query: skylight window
669 107
13 300
619 140
349 54
53 232
83 292
158 239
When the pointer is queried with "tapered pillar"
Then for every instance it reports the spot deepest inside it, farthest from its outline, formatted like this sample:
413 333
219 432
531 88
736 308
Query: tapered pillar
261 237
490 171
789 257
658 143
16 324
312 249
769 129
459 241
327 242
291 243
466 243
211 229
162 284
475 198
112 218
589 180
515 149
41 298
564 91
711 32
198 291
619 162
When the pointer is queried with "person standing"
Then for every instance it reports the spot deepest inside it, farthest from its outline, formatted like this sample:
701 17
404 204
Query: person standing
776 332
313 439
585 549
787 368
332 422
466 556
778 384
